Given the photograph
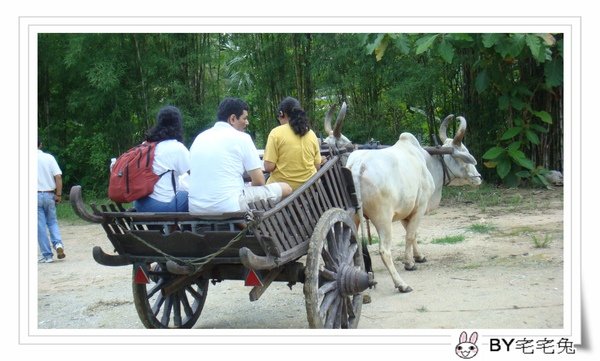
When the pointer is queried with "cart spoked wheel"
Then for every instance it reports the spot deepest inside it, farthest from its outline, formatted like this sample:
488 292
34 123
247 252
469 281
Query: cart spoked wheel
164 304
335 273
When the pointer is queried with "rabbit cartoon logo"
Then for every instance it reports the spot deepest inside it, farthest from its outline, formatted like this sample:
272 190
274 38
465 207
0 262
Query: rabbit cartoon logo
467 350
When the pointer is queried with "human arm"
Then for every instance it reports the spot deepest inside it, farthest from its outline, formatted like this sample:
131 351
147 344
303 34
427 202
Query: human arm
257 177
271 155
269 166
319 159
59 186
182 159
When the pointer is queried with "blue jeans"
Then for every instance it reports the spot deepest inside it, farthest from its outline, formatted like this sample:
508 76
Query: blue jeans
47 223
179 203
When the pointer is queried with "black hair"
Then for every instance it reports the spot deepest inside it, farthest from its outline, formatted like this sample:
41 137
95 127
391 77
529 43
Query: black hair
298 120
169 125
231 106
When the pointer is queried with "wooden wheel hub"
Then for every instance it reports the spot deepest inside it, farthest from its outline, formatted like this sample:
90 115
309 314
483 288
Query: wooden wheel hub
352 281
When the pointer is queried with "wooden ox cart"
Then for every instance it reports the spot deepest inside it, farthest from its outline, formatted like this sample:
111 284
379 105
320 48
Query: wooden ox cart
309 237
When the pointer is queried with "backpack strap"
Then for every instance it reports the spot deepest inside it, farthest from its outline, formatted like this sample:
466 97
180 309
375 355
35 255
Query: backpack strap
172 179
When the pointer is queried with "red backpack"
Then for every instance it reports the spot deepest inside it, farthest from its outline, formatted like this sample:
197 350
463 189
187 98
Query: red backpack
131 177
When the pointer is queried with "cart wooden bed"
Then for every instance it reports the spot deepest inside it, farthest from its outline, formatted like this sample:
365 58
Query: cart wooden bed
309 237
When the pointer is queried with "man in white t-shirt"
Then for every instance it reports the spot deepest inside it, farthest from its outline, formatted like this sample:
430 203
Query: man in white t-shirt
49 194
219 157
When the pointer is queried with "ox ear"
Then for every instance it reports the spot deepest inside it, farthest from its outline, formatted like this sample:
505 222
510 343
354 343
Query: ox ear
464 156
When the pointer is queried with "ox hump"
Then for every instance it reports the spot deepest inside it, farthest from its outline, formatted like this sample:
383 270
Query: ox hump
409 139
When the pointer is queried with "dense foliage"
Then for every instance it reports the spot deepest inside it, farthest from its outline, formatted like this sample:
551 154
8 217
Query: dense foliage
98 93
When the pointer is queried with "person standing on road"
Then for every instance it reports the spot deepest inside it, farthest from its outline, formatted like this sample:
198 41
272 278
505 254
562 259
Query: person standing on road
49 194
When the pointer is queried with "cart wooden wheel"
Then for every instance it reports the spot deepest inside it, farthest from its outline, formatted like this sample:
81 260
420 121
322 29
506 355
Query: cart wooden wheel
335 273
181 308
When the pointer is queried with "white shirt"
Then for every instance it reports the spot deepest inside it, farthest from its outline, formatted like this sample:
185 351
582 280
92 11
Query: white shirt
47 169
169 155
219 156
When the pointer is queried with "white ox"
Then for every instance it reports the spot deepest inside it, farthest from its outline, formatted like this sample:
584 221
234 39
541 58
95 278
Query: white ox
403 182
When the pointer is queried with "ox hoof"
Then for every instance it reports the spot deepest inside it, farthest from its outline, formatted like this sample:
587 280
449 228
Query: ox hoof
412 267
404 289
366 299
421 259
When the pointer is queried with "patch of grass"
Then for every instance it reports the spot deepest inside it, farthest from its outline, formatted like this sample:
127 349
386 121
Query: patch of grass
516 232
483 196
374 240
422 309
65 213
486 196
541 243
449 240
481 228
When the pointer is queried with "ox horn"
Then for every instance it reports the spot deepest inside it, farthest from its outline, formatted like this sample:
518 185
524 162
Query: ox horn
460 133
328 117
337 129
443 126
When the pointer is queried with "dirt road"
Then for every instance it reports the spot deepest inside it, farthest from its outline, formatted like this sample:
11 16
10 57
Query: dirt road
495 278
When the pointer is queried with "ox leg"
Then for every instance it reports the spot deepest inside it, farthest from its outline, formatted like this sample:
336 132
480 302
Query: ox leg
412 253
419 257
385 247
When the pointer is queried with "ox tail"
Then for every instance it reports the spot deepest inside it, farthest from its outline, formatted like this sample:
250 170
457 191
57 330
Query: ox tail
356 176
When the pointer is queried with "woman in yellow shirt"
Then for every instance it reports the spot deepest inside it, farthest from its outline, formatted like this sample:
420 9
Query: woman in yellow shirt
292 154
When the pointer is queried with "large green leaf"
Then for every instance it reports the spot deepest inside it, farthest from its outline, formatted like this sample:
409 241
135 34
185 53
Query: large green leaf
490 40
380 50
541 179
370 48
520 158
532 137
462 37
514 146
425 42
482 81
503 167
516 154
517 103
510 133
544 116
524 162
510 46
402 42
538 128
446 51
493 153
538 50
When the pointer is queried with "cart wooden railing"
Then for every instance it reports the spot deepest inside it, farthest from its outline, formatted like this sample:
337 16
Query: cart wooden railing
284 229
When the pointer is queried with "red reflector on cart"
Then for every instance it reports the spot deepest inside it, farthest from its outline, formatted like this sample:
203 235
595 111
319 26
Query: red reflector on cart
252 279
140 276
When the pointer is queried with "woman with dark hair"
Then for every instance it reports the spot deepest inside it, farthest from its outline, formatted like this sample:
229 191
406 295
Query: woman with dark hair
171 160
292 154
